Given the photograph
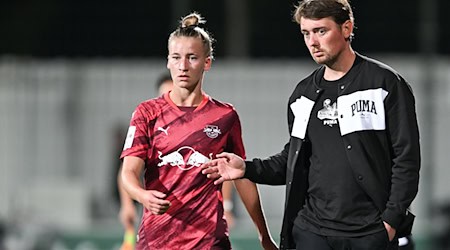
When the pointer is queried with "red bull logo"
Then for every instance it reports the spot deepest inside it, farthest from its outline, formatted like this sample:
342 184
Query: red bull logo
176 158
212 131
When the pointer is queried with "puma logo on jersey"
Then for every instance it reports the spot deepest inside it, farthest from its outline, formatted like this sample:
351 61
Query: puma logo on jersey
165 131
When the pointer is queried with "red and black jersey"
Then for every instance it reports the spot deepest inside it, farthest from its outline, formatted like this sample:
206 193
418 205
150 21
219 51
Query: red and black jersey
174 142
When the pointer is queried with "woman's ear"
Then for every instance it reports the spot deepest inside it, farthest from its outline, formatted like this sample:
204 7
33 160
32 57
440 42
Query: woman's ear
208 63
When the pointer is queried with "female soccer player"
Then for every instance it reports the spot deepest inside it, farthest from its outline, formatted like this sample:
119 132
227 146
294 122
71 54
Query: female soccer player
169 138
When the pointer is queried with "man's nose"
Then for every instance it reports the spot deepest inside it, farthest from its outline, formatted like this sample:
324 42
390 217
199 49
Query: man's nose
312 40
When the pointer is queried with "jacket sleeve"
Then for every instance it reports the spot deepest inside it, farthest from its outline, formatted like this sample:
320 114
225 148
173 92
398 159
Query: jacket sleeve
403 132
271 171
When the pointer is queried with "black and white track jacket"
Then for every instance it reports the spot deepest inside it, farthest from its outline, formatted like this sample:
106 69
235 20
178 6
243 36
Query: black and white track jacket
378 124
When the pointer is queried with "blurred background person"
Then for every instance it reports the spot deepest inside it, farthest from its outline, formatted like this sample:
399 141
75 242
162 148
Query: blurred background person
164 83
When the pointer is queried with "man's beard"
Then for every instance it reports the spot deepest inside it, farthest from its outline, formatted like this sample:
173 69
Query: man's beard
327 60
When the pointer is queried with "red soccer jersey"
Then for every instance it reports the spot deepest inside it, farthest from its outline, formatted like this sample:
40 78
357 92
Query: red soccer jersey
174 143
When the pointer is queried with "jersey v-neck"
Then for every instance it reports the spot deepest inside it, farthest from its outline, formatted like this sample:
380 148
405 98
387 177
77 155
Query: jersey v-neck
186 109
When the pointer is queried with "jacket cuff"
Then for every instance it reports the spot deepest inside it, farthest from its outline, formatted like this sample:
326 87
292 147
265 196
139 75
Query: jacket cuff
249 170
392 218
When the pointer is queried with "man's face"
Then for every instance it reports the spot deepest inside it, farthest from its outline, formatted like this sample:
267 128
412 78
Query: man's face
325 39
187 61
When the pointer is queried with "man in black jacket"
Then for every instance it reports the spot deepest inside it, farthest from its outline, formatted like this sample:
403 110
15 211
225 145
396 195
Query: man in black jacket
351 166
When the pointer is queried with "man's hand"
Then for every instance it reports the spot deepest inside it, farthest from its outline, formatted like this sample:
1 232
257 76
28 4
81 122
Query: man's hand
390 230
226 167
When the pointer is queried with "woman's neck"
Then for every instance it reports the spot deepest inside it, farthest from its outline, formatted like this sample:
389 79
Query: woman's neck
184 98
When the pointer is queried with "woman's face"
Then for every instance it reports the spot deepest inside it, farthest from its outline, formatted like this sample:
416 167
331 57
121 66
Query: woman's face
187 61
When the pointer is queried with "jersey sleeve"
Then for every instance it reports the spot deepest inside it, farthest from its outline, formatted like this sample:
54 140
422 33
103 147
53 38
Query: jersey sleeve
137 139
235 143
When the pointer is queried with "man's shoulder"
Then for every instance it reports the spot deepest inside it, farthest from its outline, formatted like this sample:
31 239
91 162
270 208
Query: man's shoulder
374 65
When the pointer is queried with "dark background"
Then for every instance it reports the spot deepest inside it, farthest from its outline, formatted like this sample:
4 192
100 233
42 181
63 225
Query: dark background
139 29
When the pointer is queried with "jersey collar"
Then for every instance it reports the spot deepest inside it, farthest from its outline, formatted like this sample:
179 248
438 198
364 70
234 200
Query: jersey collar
200 106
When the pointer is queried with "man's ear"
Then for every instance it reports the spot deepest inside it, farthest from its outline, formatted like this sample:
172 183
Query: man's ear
347 29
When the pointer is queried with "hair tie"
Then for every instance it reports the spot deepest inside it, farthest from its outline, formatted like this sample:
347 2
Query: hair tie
192 26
